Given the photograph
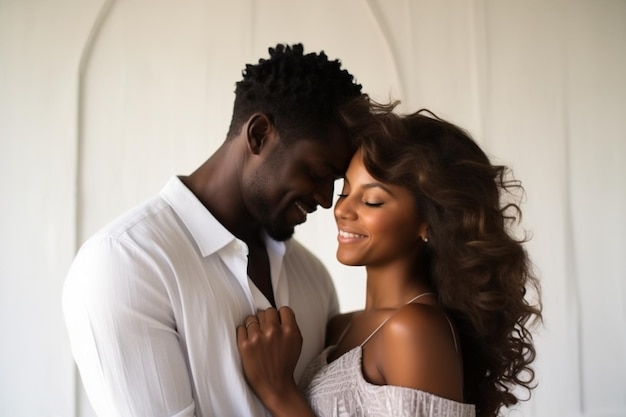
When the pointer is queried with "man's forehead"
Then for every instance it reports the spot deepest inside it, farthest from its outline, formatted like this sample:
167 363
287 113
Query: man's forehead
333 155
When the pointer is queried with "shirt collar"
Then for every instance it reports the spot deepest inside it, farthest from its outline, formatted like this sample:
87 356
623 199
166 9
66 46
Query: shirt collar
208 233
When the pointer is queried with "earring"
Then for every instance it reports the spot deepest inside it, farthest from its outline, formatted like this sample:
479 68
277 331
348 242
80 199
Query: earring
425 239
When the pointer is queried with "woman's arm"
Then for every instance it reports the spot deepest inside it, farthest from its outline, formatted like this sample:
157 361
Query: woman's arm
269 344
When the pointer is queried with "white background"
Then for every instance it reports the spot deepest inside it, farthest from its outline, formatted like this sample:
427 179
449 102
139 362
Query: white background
102 101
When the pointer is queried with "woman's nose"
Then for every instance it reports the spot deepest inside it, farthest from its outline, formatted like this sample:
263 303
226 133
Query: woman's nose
344 208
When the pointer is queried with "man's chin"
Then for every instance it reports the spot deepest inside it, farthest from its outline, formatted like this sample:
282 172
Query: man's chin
280 233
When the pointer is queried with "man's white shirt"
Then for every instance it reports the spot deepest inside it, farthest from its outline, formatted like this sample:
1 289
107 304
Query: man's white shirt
152 302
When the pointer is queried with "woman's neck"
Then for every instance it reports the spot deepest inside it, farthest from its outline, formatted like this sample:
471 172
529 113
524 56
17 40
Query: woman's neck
391 287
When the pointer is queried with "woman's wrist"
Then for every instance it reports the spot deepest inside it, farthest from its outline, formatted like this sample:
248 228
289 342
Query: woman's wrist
288 402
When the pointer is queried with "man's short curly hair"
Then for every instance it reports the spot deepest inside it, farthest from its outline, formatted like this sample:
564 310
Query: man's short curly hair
301 94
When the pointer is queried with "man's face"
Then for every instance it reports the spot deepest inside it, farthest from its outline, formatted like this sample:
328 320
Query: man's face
292 180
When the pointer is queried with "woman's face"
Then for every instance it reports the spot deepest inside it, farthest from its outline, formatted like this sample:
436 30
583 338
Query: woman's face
377 222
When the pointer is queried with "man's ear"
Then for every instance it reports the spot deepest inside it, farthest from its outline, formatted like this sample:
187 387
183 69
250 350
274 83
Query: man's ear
258 130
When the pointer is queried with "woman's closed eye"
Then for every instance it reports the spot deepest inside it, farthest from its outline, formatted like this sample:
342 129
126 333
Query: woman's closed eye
368 203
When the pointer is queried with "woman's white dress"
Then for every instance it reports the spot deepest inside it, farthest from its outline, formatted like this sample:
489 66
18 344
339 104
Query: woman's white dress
339 389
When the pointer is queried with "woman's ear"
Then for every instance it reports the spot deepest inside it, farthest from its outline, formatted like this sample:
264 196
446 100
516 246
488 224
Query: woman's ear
423 232
258 129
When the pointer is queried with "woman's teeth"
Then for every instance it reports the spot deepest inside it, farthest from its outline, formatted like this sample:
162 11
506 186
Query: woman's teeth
349 235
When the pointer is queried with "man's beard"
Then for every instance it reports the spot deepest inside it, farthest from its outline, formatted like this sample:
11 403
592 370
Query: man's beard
277 231
276 227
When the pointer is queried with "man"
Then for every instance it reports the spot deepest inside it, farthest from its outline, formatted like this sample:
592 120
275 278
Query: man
152 301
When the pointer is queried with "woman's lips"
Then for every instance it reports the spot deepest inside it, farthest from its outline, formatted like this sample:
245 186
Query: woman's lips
345 236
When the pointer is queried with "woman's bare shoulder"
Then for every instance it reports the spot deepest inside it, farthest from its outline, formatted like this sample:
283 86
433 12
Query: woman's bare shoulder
420 351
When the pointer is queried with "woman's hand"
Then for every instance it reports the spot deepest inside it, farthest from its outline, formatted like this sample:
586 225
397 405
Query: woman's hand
269 344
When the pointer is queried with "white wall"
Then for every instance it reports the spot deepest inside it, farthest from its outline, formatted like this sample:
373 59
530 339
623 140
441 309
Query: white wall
102 101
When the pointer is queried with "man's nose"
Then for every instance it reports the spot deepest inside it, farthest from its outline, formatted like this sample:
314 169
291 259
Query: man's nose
324 194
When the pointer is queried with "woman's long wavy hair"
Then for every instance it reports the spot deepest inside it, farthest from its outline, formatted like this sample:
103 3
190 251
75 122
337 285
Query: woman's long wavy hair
480 270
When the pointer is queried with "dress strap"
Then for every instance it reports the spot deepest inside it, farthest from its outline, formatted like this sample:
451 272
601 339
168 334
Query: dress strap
456 347
387 319
343 333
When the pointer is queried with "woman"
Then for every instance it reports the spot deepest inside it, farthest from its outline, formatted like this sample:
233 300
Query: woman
445 326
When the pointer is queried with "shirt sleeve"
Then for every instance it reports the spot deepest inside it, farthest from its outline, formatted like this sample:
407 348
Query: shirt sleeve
123 333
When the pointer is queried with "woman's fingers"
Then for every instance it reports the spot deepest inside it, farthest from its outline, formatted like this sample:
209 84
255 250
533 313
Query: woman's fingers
287 316
283 317
268 317
242 335
252 321
269 344
271 329
289 326
250 325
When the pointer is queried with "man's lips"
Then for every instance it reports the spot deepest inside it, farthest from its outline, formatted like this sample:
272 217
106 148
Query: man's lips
304 208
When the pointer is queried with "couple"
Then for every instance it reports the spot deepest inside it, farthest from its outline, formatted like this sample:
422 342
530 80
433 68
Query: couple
152 300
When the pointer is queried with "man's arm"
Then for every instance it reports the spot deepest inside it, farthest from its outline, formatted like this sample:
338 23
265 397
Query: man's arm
123 333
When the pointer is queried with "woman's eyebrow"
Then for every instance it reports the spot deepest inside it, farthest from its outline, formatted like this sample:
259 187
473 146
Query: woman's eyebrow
376 184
